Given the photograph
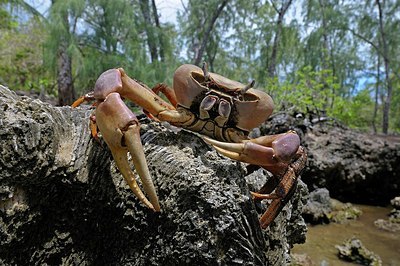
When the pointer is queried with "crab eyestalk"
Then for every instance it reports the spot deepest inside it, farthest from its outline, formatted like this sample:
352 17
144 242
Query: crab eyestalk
206 74
120 130
247 87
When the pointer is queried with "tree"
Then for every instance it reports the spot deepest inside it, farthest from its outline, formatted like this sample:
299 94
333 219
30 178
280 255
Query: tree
201 29
63 20
383 41
281 11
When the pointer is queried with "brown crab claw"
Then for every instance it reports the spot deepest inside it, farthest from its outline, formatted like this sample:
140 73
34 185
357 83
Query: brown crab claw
273 153
120 130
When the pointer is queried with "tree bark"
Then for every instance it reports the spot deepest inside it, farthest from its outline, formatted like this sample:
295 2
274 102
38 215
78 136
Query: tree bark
275 45
151 37
386 107
66 92
62 201
159 32
376 102
207 33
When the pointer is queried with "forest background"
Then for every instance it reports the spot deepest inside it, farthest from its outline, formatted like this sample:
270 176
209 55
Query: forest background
328 57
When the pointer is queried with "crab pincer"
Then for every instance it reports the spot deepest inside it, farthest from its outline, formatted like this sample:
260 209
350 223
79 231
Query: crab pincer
280 154
270 152
121 131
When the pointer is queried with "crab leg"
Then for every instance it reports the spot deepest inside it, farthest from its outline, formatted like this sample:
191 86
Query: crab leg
273 153
116 80
167 91
284 190
120 130
280 154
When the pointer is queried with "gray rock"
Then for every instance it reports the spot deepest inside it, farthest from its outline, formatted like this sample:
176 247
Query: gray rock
354 251
62 200
318 207
395 202
387 225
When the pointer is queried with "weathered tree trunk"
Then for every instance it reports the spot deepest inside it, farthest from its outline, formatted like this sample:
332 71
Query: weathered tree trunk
62 201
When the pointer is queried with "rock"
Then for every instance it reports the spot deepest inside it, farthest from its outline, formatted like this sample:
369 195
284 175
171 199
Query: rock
342 212
318 207
387 225
301 260
344 160
393 223
62 200
395 202
353 250
394 216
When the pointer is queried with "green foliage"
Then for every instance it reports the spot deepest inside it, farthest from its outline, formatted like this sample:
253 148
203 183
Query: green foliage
322 51
6 21
314 91
21 66
309 90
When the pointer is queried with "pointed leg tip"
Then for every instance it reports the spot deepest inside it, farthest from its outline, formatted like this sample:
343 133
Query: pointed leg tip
264 225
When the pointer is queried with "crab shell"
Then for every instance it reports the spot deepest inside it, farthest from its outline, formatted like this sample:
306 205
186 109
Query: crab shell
250 110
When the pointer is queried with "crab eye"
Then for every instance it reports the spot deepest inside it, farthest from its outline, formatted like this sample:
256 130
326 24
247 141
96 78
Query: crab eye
224 108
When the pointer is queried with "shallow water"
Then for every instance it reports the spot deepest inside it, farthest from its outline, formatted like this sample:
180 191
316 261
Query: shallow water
321 239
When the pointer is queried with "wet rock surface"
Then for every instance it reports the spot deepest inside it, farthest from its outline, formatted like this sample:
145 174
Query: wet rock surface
62 201
395 202
354 167
321 208
392 224
343 212
318 207
354 251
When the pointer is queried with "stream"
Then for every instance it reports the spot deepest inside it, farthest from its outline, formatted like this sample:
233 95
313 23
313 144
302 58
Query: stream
321 239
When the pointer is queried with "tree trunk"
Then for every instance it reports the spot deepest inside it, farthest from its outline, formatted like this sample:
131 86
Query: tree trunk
207 33
275 45
386 63
159 32
151 38
325 53
66 92
376 103
62 201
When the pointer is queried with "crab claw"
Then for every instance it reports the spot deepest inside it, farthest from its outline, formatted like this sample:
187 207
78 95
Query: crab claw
273 153
120 130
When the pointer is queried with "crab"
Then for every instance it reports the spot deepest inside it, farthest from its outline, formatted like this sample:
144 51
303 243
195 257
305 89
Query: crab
222 110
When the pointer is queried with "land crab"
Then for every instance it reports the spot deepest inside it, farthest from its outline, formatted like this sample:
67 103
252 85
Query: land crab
222 110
